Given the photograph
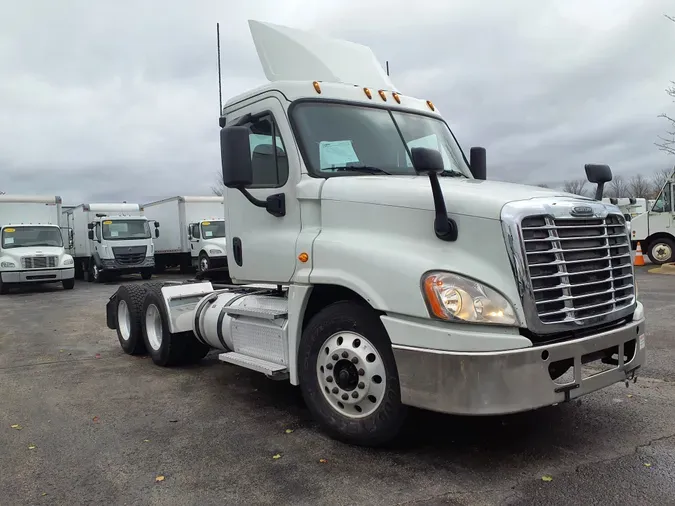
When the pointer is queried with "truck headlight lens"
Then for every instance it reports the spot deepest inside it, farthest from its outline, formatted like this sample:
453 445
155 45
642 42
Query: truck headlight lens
68 261
455 298
7 265
215 252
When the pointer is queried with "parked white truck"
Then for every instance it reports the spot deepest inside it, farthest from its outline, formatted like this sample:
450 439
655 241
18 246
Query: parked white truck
655 230
193 232
374 284
110 240
31 246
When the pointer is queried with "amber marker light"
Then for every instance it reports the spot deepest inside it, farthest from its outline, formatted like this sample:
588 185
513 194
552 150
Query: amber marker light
316 86
397 97
383 95
435 304
431 106
303 257
367 92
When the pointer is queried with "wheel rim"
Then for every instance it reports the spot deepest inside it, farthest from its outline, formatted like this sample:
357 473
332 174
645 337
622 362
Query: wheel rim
124 320
662 252
351 374
204 263
95 271
153 326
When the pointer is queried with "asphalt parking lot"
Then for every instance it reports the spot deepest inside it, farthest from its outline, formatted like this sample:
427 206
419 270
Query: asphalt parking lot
93 425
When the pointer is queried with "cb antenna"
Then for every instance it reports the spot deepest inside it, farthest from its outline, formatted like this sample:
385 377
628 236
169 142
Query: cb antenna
220 88
387 62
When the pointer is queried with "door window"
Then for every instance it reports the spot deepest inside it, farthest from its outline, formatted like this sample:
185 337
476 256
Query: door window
194 230
664 203
268 153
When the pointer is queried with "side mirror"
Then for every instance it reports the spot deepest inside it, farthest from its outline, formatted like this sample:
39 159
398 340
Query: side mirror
156 224
189 232
600 174
477 161
90 226
427 160
235 155
156 232
91 235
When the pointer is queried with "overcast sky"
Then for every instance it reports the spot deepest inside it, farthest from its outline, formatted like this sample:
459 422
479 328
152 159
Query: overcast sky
118 100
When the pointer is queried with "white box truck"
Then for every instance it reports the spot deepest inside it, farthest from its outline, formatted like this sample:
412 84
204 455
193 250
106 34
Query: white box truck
109 240
193 232
375 267
31 245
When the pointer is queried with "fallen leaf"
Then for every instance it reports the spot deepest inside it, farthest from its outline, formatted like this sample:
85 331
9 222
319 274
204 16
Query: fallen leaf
647 464
60 351
173 421
146 440
16 426
95 419
288 431
277 456
44 494
98 355
323 461
32 447
159 478
629 395
546 478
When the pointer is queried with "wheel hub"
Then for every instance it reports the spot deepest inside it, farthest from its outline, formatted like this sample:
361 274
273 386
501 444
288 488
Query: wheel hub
124 320
662 252
351 374
153 327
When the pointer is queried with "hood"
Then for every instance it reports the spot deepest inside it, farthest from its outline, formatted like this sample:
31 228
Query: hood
33 251
472 197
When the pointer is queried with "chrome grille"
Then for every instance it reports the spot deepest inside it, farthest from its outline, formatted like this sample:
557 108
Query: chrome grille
579 269
38 262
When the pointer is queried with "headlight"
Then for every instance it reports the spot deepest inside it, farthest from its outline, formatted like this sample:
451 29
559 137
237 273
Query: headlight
452 297
68 261
215 252
7 264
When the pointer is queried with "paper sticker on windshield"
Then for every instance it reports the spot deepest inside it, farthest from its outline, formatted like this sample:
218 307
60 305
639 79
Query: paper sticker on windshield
336 154
9 240
9 230
208 233
206 223
107 222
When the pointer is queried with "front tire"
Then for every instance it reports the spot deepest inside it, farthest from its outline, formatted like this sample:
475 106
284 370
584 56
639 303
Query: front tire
146 274
348 375
204 263
4 288
96 274
661 251
68 284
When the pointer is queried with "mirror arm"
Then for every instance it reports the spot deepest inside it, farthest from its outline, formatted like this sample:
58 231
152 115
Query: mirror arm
445 228
599 191
256 202
274 204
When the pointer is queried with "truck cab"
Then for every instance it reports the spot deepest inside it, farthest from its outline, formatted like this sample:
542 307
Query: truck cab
655 229
208 245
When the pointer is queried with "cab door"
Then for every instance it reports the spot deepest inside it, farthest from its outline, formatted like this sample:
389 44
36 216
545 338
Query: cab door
194 236
260 246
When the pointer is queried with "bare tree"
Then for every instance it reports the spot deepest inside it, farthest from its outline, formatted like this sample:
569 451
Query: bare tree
576 186
543 185
617 187
219 189
639 187
658 179
667 142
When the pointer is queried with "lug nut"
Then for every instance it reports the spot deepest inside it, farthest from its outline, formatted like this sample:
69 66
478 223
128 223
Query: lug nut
355 360
355 395
361 372
335 356
345 354
336 390
329 366
362 385
345 397
329 379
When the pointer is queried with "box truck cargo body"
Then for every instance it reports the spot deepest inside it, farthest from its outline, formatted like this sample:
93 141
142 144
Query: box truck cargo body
193 232
31 245
110 240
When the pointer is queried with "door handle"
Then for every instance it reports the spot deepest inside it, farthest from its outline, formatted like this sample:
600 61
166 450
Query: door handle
237 249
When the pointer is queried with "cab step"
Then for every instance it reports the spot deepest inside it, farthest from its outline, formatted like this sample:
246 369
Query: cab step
257 312
255 364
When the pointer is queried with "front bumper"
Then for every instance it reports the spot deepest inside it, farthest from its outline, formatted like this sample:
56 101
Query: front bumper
489 383
108 264
37 275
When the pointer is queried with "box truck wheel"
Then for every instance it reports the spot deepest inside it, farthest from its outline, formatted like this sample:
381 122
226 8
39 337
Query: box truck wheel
165 348
204 262
129 311
661 250
96 275
68 284
348 375
4 288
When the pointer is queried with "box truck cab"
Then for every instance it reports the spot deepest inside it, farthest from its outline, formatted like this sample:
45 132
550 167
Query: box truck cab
31 245
193 232
655 230
109 240
393 274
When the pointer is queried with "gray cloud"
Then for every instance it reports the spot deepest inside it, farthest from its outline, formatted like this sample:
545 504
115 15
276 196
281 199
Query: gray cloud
118 101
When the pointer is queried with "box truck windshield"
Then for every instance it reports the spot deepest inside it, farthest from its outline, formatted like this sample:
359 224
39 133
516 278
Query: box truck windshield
125 229
213 229
31 236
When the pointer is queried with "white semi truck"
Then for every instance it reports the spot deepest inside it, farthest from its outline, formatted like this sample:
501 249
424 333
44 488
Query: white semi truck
31 246
655 230
110 240
193 232
372 283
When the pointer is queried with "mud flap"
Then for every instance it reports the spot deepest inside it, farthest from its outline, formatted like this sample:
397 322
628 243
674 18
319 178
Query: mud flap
111 312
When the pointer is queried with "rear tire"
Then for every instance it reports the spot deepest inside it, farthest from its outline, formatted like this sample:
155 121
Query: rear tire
68 284
166 349
661 251
129 311
355 397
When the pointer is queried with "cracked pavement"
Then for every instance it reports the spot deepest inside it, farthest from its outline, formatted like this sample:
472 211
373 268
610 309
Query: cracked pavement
102 429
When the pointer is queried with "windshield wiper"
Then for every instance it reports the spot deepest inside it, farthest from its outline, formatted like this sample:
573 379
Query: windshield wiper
367 169
452 173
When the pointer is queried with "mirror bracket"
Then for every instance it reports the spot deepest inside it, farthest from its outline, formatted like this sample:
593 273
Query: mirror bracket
274 204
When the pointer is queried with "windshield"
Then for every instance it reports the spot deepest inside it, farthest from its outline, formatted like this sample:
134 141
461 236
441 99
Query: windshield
125 229
213 229
354 140
26 236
